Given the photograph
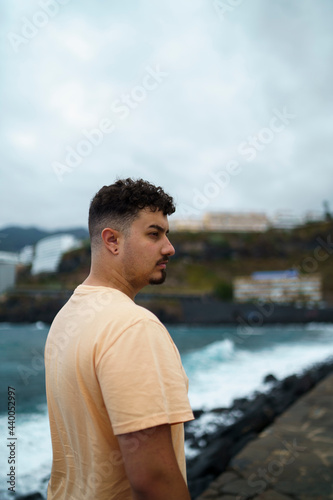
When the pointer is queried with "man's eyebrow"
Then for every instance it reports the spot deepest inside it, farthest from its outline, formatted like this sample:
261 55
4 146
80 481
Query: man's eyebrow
159 228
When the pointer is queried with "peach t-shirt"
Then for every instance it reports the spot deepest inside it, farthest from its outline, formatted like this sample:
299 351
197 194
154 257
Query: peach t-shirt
111 368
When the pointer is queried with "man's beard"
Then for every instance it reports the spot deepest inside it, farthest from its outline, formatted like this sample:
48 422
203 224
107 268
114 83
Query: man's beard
158 281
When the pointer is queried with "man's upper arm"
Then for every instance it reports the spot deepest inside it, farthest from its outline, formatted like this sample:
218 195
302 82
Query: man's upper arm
142 380
151 465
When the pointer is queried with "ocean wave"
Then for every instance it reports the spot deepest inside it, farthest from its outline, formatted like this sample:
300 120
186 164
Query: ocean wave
211 354
322 327
40 325
222 375
6 326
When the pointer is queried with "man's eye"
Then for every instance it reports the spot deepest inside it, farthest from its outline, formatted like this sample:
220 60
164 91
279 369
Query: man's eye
153 234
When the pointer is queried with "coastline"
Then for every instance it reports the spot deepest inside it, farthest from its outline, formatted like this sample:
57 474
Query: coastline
257 413
290 460
244 421
30 306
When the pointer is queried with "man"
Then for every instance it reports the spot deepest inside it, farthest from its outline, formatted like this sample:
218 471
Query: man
116 388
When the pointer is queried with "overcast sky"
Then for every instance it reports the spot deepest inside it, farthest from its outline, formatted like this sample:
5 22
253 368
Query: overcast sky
227 104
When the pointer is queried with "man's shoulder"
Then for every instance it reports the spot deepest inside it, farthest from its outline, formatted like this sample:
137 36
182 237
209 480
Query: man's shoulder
103 310
141 313
114 308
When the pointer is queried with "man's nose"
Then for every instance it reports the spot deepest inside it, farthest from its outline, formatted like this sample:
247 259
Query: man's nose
169 249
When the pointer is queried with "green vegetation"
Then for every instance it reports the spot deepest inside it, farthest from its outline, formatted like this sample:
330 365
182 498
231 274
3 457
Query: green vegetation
207 262
224 291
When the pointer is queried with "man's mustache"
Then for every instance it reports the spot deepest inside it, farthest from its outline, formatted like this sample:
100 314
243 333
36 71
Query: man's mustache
163 261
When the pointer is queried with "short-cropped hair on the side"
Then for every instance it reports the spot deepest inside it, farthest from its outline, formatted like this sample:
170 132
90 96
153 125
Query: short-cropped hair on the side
118 205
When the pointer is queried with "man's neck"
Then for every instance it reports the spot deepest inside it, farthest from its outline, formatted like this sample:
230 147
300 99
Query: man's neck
114 282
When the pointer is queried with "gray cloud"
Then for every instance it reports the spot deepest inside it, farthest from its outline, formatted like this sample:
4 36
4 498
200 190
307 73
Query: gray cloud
225 78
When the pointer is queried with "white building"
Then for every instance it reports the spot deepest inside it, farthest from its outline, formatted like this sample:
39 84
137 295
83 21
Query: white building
235 221
8 263
223 222
26 255
240 222
282 287
49 250
190 224
314 216
286 219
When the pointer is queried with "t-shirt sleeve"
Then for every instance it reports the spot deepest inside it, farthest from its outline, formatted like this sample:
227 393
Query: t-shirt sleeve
142 379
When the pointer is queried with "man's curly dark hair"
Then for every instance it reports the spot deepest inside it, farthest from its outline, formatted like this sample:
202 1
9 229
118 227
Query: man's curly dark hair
118 205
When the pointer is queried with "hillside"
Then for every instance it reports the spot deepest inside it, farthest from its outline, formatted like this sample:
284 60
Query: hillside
14 238
208 262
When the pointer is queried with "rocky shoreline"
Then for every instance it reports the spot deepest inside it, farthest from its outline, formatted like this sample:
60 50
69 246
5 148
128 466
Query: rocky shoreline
239 424
217 448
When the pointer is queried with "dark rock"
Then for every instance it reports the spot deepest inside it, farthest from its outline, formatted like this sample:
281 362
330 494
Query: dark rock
289 382
270 378
199 485
304 384
212 460
32 496
240 404
220 410
198 413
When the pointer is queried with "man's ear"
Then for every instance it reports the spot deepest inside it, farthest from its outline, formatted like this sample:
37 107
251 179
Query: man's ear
110 238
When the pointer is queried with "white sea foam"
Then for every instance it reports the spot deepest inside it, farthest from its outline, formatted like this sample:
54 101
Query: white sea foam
41 326
5 326
208 423
220 382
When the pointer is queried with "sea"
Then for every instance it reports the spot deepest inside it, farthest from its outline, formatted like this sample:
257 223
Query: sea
221 362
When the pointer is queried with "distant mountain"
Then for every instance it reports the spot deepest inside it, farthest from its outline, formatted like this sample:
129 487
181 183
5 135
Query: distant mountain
14 238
